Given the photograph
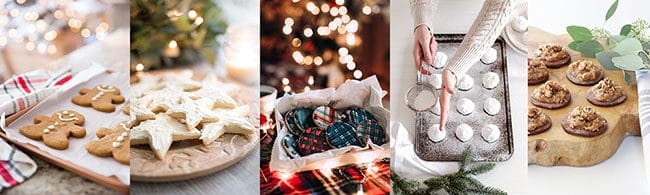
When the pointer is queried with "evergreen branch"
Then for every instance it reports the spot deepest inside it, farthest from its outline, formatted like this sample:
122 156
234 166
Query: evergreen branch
459 183
480 169
466 158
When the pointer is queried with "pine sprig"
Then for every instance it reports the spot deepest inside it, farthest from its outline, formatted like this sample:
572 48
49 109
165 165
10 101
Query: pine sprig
459 183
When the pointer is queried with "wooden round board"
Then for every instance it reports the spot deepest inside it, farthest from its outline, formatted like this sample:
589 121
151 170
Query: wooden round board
189 159
555 146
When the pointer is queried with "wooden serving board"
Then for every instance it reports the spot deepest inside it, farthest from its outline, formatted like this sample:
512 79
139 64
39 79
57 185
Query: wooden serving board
109 182
555 146
190 158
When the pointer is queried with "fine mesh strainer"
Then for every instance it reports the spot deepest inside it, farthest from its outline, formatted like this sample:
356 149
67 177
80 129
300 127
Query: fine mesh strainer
421 87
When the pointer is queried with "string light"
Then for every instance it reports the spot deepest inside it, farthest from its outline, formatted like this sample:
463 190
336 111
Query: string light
192 14
139 67
172 44
366 10
198 21
357 74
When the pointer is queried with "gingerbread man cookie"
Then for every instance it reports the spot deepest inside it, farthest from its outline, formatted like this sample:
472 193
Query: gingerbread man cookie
112 142
55 130
101 98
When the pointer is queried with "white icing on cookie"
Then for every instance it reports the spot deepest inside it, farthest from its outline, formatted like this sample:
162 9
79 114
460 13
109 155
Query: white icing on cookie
105 88
435 134
492 106
490 133
65 112
465 106
490 80
116 144
466 82
98 95
490 56
45 131
440 60
464 132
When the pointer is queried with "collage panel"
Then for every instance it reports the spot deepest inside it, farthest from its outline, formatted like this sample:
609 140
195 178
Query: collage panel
584 111
324 97
355 97
481 45
58 88
194 103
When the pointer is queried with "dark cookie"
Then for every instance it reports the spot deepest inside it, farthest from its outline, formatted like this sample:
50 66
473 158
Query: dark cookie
323 116
341 134
313 141
290 145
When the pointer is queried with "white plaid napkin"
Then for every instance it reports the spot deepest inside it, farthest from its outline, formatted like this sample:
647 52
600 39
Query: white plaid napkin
24 90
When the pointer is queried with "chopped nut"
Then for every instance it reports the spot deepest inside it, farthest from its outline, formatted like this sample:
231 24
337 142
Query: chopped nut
536 69
551 53
551 92
537 119
606 91
586 118
585 70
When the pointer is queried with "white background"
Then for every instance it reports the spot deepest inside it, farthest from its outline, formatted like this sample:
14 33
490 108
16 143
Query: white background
624 172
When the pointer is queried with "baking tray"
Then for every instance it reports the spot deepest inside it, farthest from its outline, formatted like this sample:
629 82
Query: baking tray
451 148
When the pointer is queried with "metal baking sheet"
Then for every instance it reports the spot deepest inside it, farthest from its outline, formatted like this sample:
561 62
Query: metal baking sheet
451 149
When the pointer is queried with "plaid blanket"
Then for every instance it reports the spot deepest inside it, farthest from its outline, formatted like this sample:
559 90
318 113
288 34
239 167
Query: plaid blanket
22 91
375 179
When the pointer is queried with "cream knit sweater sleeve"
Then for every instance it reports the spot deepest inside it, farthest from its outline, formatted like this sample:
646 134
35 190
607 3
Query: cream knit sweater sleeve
486 28
422 12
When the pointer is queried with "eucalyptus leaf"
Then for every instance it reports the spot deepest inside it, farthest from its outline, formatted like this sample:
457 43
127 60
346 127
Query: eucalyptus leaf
628 62
628 77
611 10
579 33
605 59
590 48
625 30
618 38
574 45
628 46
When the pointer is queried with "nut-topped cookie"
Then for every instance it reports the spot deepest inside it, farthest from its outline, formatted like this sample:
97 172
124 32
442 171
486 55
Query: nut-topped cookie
537 71
538 122
606 93
551 95
584 72
554 56
584 122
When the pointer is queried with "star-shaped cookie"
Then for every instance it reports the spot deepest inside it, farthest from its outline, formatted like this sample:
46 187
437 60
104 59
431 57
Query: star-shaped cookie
230 121
160 133
191 113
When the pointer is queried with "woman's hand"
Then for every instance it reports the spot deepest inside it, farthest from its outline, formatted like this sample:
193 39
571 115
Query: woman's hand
447 89
424 48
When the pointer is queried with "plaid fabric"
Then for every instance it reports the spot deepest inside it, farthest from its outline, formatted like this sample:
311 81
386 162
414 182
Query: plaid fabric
373 131
303 118
15 166
342 180
22 91
341 134
312 141
323 116
290 145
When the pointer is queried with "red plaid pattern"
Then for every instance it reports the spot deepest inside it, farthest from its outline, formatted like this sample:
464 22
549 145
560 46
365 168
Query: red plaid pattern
24 90
15 166
342 180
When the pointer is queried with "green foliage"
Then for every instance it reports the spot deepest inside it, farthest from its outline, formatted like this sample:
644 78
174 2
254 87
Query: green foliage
153 27
611 10
579 33
628 51
457 183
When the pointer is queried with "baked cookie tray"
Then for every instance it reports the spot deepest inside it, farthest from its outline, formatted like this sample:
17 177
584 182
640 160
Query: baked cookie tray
451 148
556 147
110 182
190 158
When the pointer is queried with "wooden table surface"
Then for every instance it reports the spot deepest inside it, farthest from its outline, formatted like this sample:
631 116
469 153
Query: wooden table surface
241 178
